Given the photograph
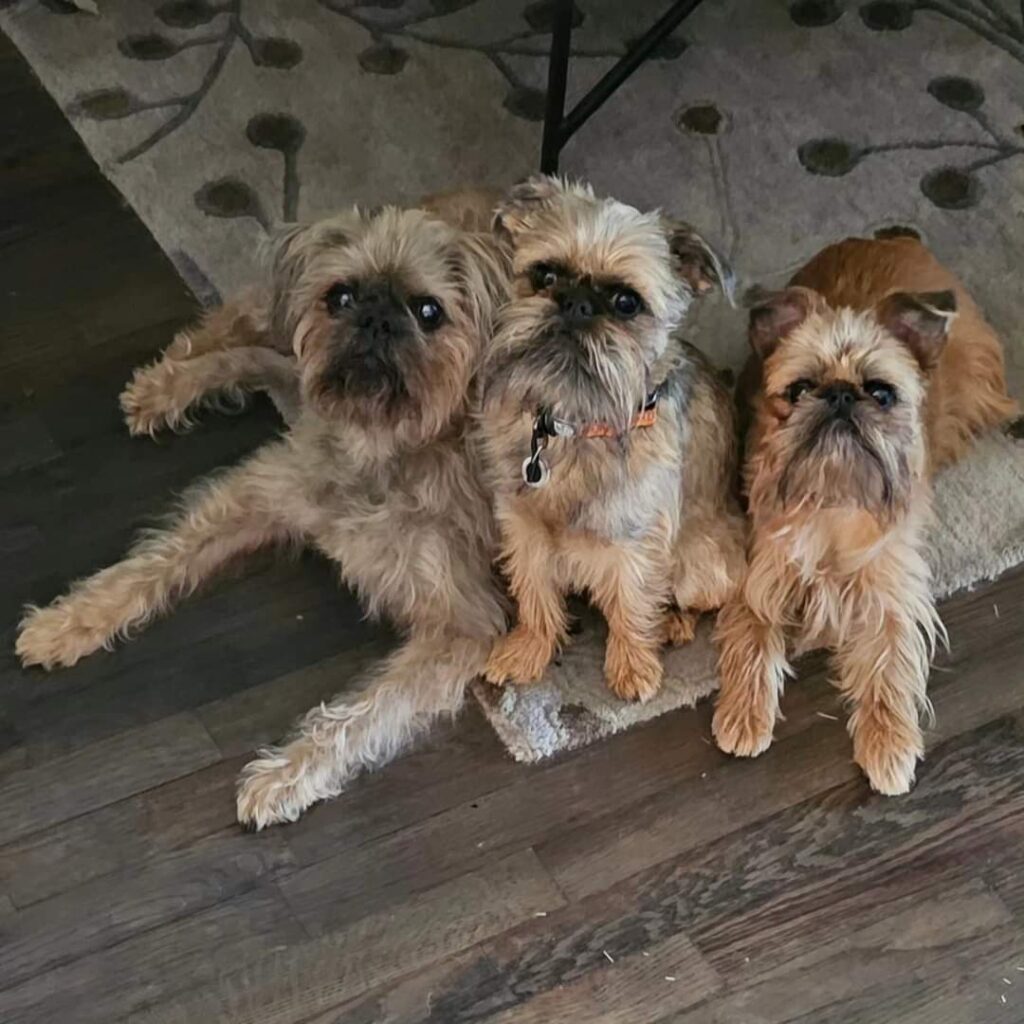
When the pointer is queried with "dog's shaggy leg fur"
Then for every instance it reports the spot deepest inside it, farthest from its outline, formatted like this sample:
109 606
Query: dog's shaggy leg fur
424 679
753 670
166 393
218 522
883 664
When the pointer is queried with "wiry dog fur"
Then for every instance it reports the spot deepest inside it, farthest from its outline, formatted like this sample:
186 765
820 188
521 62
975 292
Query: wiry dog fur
237 348
873 368
375 472
641 520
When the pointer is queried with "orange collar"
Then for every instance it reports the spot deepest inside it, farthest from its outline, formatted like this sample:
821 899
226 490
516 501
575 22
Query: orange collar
647 417
535 470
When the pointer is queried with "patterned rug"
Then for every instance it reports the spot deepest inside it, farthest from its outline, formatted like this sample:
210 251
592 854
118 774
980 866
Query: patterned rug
776 126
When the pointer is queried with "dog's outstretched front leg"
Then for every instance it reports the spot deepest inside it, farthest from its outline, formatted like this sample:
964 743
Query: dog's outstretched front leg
221 519
421 681
166 393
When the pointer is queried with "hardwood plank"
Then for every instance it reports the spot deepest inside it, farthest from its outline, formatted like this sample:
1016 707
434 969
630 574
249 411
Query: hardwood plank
919 962
158 821
598 988
117 907
123 980
26 444
696 811
808 859
818 756
328 971
753 899
638 989
129 763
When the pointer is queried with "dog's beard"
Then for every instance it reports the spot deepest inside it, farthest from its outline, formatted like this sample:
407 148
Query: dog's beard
403 390
364 376
832 463
581 376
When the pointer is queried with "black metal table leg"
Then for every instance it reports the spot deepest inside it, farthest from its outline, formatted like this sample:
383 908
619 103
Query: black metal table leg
560 127
558 72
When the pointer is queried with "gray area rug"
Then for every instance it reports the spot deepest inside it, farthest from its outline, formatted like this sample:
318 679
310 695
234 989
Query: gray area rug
776 126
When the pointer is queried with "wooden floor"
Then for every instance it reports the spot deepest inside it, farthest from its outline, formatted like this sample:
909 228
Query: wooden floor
644 879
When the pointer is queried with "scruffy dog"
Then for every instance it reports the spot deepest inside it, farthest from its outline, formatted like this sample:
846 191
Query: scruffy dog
238 347
870 371
386 313
609 443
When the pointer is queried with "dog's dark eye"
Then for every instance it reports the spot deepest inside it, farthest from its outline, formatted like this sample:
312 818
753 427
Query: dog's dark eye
797 388
543 276
429 312
339 297
626 303
884 394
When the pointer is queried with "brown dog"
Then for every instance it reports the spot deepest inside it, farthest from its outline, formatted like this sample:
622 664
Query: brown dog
241 346
871 370
387 313
609 443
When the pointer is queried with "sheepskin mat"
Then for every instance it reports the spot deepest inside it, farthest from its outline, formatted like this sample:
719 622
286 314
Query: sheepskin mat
775 126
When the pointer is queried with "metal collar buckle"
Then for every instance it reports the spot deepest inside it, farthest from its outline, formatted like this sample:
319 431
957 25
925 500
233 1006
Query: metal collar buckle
536 471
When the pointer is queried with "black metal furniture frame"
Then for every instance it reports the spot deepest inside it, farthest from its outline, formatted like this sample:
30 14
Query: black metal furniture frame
559 127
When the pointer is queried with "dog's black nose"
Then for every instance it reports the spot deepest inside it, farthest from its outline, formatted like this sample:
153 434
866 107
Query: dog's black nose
841 398
576 305
377 321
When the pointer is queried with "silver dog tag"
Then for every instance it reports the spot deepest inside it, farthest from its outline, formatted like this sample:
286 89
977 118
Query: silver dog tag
535 471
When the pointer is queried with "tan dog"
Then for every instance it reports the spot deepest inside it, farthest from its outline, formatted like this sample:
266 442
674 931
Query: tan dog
386 313
609 443
871 370
238 348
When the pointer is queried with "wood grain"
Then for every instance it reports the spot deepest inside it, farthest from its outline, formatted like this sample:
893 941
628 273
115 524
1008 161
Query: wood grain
147 825
98 775
124 979
331 970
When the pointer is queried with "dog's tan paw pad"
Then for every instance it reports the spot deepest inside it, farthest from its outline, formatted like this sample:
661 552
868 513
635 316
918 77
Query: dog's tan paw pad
744 734
518 657
269 793
678 628
632 673
149 402
51 638
889 764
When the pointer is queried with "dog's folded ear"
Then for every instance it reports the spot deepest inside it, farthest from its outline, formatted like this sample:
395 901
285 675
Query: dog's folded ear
697 262
921 320
288 252
773 315
529 196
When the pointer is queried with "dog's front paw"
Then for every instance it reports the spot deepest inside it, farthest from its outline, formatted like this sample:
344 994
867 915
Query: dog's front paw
888 755
744 730
151 400
678 627
52 637
633 672
518 657
275 788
